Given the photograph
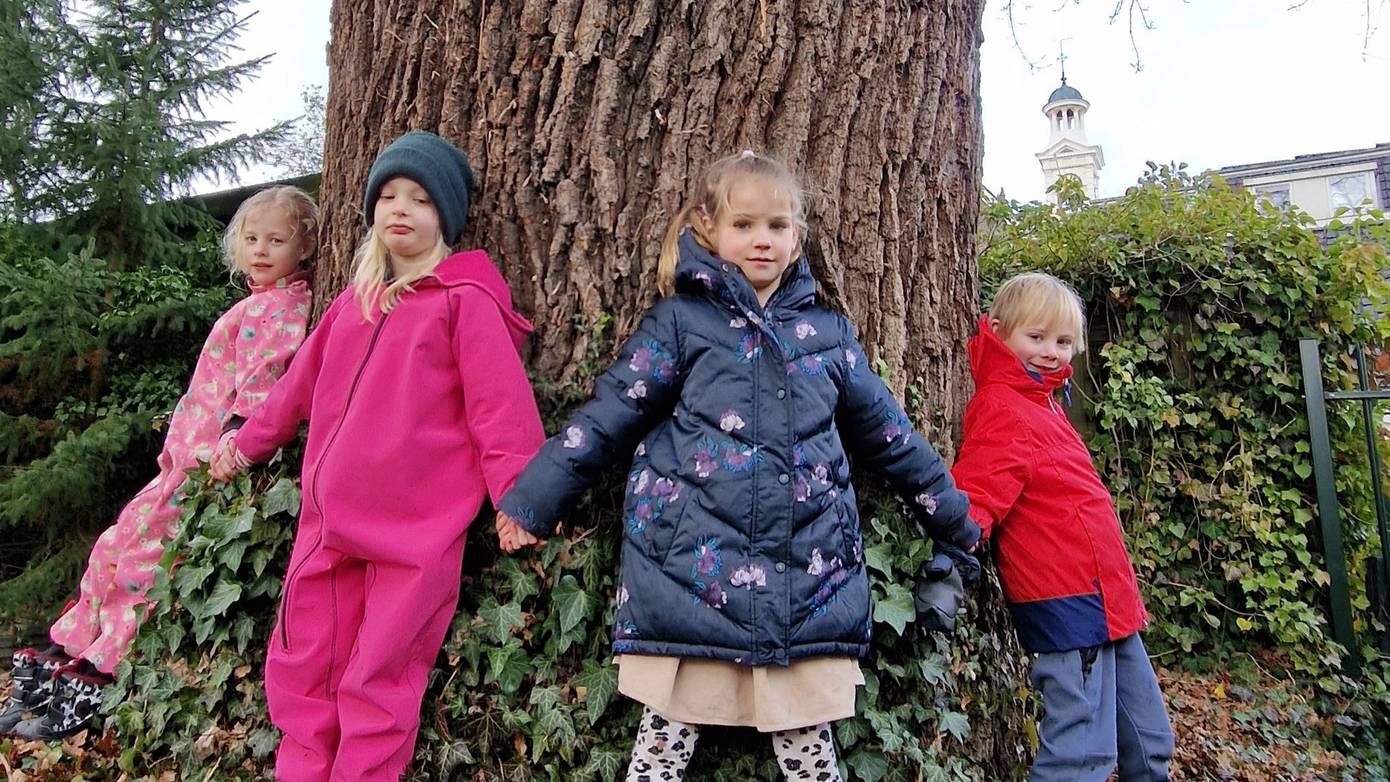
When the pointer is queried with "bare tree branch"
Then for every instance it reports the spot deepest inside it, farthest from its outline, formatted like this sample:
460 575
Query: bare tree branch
1033 65
1137 18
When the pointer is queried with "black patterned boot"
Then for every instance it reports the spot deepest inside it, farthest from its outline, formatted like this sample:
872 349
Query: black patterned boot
32 677
77 689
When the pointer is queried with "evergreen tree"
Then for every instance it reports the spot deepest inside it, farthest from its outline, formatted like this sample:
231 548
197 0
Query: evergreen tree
132 134
34 37
104 297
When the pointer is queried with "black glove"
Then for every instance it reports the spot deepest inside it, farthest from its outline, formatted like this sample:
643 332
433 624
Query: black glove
941 590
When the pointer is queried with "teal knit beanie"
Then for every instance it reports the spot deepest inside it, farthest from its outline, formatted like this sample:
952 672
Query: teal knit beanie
436 165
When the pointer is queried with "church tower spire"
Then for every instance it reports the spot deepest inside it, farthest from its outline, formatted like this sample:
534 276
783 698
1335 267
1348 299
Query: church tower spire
1067 150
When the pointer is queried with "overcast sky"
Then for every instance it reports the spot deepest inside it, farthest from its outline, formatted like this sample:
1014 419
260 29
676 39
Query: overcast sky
1222 81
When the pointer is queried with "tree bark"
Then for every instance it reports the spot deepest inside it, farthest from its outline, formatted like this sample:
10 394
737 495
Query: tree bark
586 119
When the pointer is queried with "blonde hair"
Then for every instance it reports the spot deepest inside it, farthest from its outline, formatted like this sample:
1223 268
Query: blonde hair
375 280
302 211
1038 298
712 198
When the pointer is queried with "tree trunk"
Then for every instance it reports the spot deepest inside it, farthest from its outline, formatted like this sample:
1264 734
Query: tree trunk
585 119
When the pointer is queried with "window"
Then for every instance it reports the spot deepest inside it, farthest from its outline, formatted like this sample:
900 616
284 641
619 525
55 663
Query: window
1349 190
1276 196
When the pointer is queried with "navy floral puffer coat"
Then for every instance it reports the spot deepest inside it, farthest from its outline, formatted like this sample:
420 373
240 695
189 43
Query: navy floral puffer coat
742 535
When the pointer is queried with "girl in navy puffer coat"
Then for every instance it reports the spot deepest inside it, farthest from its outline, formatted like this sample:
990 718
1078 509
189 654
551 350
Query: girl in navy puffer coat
743 598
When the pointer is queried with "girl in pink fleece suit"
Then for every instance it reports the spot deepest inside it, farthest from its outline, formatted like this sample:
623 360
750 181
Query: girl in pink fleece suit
269 239
418 409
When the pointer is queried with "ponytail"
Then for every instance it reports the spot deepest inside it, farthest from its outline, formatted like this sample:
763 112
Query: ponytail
670 250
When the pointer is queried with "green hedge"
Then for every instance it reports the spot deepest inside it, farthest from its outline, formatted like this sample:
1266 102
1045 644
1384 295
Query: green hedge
1192 395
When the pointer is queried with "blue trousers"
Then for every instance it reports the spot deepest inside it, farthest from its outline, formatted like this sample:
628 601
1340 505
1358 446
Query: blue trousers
1101 706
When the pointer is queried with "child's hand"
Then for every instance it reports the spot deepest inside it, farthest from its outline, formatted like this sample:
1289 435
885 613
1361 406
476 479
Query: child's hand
513 536
223 466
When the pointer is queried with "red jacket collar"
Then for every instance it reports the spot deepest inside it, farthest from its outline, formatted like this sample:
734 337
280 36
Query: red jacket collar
991 361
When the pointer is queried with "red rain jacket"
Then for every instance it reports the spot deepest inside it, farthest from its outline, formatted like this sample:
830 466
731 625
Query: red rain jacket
1032 486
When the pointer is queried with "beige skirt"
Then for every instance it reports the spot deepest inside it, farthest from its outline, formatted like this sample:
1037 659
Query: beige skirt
714 692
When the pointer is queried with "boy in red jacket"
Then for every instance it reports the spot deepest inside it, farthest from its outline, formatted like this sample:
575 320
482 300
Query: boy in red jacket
1062 560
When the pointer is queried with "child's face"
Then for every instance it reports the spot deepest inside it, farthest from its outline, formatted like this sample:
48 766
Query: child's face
757 233
271 247
405 219
1043 348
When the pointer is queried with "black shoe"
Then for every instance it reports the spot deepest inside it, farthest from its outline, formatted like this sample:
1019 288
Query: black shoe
77 689
32 676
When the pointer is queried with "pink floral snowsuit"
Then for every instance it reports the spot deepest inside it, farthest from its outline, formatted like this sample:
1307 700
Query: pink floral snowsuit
247 351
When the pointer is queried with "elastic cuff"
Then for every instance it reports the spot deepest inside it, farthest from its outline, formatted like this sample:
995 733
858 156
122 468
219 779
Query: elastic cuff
241 460
227 437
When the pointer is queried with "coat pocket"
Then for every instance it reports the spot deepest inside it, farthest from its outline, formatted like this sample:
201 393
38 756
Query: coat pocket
661 531
851 544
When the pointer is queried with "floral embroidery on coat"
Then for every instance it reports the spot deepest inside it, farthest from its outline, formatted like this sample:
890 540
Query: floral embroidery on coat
652 497
708 562
749 575
895 426
651 358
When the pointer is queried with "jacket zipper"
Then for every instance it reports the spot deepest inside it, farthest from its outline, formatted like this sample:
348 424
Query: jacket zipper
314 490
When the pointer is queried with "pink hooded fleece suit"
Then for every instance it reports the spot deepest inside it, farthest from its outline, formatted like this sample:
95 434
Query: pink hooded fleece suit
413 418
244 355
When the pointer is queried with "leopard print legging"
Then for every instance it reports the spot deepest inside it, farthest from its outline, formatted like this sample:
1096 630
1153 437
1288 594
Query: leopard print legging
664 747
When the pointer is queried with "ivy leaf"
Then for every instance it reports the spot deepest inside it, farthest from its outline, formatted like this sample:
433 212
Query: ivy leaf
572 603
190 578
600 683
232 554
605 763
222 597
880 558
956 724
283 497
242 630
500 620
523 584
868 764
263 741
558 728
545 697
259 559
850 731
933 672
223 528
896 608
508 665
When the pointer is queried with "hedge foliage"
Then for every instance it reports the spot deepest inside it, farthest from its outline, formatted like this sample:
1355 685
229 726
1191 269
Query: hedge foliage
1197 296
92 360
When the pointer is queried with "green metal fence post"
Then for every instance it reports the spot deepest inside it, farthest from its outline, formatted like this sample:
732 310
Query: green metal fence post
1368 411
1328 511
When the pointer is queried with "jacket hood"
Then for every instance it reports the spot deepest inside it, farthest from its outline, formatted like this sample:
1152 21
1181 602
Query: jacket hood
702 272
474 268
991 361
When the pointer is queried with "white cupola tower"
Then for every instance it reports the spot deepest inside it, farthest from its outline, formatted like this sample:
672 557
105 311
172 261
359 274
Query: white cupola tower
1067 151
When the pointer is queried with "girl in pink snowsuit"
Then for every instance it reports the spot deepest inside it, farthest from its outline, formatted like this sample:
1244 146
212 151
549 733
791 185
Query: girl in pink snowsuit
269 240
419 409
